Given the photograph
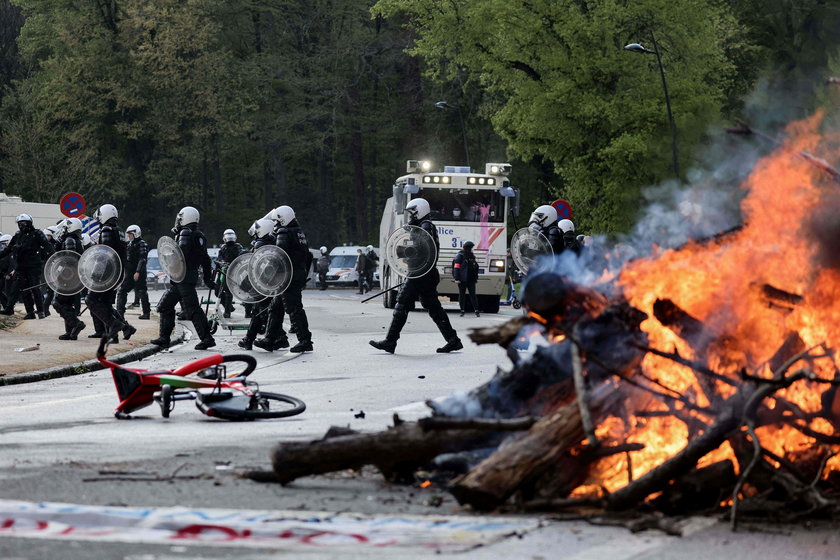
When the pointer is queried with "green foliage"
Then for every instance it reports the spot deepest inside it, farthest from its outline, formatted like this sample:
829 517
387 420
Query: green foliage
561 87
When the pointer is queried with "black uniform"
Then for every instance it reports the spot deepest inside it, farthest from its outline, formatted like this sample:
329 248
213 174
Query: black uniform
371 262
193 245
570 242
465 272
137 254
292 240
259 310
5 268
322 266
229 251
424 287
67 306
101 304
46 292
29 249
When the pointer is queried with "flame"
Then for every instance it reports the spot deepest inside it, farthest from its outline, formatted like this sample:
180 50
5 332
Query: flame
721 283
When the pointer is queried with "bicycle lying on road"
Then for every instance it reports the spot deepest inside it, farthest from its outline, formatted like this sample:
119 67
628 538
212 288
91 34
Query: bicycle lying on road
216 392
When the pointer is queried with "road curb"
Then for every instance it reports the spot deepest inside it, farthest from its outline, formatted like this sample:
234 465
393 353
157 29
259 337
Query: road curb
89 365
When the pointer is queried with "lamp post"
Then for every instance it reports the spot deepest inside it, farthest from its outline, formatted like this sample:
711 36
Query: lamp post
445 105
637 48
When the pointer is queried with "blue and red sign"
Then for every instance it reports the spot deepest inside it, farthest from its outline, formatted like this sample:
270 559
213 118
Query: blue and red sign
72 205
564 209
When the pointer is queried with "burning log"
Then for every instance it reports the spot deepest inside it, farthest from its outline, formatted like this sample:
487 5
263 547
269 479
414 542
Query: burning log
496 478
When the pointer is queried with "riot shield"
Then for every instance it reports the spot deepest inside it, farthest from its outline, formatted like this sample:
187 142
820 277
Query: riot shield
172 260
61 273
100 268
237 280
411 251
270 270
526 246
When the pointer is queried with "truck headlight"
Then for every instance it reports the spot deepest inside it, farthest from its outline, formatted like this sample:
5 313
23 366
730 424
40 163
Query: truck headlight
497 265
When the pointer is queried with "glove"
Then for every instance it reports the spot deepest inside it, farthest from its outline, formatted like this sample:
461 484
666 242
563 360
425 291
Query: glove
208 281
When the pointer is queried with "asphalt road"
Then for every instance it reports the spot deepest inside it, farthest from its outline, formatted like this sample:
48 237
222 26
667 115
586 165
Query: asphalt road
61 443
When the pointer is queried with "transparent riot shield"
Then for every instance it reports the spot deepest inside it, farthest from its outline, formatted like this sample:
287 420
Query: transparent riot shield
526 246
171 258
411 251
61 273
238 282
100 268
270 270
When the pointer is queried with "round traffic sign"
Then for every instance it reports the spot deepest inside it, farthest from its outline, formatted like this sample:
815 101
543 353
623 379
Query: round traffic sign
72 205
564 209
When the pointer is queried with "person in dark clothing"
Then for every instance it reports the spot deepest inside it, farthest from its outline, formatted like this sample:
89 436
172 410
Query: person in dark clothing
361 270
424 287
30 249
101 304
137 254
322 266
5 268
544 221
261 232
52 235
290 238
465 274
66 305
371 262
229 251
193 245
570 238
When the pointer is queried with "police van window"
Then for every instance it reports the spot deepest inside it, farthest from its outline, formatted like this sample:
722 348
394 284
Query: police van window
465 205
342 261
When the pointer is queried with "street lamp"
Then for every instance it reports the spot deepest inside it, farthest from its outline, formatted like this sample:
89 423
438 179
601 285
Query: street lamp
445 105
637 48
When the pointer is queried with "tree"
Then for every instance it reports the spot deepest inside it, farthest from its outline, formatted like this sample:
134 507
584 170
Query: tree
560 86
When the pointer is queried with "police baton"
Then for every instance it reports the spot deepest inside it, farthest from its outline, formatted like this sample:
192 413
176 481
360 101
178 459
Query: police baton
382 292
33 287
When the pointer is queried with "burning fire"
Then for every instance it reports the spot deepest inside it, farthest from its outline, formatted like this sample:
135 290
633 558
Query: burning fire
721 282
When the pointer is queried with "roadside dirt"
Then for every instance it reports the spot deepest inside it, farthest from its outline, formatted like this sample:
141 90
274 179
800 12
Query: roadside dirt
53 352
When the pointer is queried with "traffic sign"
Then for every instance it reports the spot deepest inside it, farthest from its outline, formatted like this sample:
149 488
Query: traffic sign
72 205
564 209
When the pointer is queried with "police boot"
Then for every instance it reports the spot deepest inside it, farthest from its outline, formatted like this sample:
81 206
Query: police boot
390 342
77 328
246 344
206 343
450 346
167 324
301 346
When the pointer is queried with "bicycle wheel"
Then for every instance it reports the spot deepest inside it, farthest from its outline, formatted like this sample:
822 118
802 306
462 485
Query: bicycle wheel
260 406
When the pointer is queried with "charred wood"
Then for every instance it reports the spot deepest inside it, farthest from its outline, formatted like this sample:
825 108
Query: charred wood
396 452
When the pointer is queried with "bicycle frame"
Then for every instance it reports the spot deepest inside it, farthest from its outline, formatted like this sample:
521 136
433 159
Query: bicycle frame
136 388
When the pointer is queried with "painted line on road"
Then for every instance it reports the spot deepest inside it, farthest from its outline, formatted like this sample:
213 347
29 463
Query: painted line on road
285 530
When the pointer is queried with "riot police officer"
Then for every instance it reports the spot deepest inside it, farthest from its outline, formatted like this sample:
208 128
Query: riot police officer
101 304
70 237
229 251
261 232
193 245
137 254
29 249
371 262
544 221
570 238
322 266
424 287
5 268
290 238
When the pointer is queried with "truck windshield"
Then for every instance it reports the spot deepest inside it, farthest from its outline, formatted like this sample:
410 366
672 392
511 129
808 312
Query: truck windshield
465 205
